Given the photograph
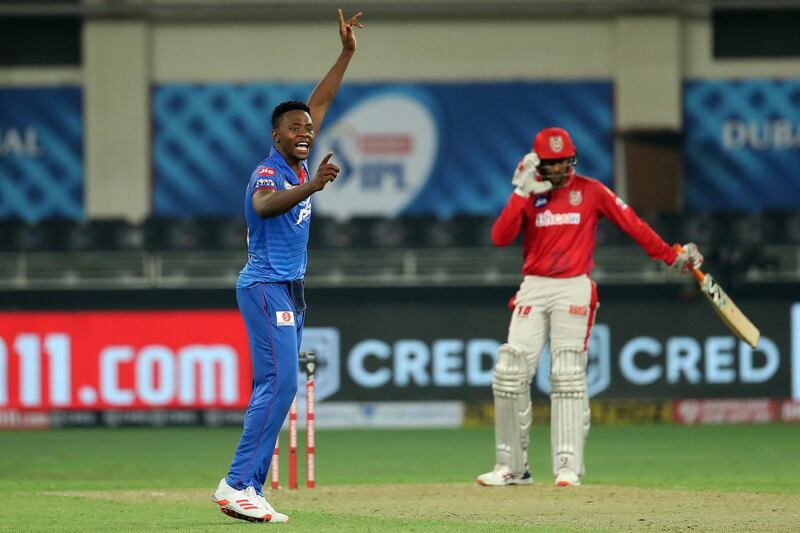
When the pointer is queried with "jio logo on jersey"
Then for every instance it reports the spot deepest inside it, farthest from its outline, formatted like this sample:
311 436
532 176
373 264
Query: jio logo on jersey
598 368
386 149
266 171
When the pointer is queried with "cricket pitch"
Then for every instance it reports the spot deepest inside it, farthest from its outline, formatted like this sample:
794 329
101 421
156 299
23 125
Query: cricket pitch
541 506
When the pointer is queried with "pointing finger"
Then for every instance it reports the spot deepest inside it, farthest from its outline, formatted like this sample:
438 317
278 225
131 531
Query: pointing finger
326 159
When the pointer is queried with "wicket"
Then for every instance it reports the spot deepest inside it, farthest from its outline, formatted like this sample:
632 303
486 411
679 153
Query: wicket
308 363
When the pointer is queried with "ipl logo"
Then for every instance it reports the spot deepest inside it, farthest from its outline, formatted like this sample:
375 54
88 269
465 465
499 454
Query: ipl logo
386 149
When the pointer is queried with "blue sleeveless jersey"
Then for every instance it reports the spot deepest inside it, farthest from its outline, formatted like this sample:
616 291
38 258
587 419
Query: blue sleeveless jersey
277 247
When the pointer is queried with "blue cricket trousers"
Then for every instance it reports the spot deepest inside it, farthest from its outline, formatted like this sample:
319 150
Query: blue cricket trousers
273 315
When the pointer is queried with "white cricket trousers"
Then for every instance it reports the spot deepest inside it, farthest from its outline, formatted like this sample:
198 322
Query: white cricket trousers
561 310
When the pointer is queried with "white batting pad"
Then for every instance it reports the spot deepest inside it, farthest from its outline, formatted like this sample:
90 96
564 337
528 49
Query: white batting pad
512 408
569 410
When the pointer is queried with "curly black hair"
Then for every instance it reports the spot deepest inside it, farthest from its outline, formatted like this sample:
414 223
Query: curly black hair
285 107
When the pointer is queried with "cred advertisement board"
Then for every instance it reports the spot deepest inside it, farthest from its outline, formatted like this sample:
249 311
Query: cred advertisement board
413 351
661 348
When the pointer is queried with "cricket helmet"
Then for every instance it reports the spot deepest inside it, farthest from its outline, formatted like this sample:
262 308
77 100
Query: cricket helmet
553 143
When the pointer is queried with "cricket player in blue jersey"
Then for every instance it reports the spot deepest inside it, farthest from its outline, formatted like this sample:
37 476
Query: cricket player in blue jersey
270 287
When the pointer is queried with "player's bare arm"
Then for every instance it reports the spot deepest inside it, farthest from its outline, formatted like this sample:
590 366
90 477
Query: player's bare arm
325 91
269 203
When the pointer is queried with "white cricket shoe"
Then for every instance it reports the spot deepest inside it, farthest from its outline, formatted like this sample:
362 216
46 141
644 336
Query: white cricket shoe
567 478
276 516
241 504
502 476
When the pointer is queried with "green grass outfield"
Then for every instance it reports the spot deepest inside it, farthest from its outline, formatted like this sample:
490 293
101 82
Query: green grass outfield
648 477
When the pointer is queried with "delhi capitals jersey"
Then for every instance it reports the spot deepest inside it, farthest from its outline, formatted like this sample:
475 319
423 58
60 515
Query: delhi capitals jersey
277 247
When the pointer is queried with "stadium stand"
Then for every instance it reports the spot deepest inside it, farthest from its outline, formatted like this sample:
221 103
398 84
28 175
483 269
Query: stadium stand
209 252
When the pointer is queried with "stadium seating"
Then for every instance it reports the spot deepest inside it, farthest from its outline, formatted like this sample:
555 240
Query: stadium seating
211 250
222 233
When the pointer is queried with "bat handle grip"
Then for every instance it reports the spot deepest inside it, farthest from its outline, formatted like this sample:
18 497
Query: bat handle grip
698 274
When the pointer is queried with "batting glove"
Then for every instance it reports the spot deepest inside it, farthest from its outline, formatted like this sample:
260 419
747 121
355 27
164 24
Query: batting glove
525 177
689 258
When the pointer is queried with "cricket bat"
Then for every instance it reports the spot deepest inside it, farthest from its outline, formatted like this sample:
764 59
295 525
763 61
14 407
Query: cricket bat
739 324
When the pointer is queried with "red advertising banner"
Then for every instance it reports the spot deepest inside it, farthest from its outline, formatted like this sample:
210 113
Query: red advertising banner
790 411
726 411
124 360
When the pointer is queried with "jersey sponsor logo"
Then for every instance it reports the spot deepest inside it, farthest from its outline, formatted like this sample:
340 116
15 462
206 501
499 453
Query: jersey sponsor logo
549 218
540 201
284 318
305 212
622 205
575 197
266 171
556 143
580 310
264 182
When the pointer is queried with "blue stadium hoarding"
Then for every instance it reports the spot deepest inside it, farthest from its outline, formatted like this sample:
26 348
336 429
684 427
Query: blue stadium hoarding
409 149
437 148
41 153
742 144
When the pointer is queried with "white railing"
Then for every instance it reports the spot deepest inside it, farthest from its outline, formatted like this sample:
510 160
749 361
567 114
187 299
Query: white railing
343 268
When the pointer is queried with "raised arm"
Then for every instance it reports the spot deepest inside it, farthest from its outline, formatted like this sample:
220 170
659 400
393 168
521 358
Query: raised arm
323 94
508 224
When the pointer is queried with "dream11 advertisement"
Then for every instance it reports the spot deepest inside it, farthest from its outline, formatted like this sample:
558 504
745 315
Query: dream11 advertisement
439 149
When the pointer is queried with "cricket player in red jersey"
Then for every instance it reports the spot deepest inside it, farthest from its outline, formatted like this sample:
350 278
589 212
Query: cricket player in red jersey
558 210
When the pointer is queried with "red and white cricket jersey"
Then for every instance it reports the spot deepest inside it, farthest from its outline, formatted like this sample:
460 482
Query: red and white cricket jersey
560 228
